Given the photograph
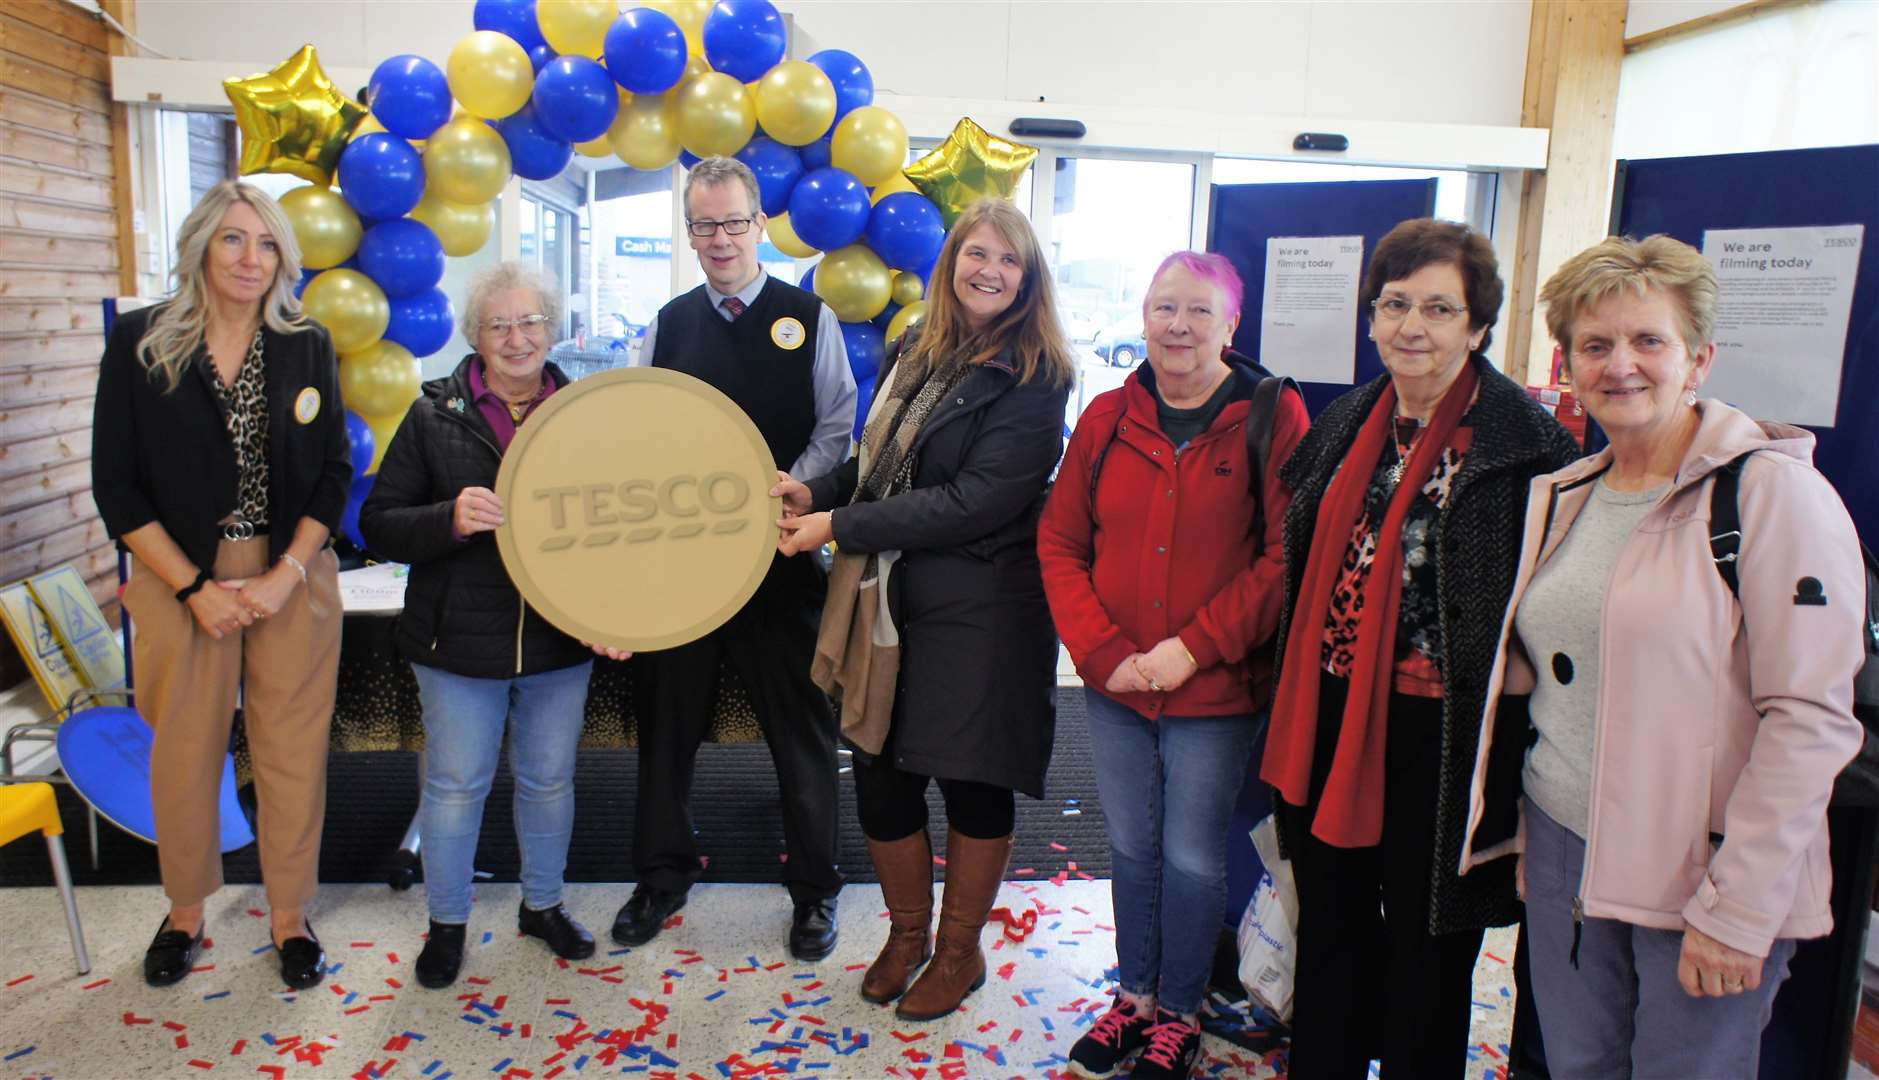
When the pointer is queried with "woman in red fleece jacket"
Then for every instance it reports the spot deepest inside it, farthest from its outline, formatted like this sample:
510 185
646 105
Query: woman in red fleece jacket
1164 596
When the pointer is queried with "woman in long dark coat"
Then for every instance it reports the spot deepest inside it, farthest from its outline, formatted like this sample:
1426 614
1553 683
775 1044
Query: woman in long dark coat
948 671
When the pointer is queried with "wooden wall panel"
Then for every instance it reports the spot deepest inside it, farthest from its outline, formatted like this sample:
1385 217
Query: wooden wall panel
64 205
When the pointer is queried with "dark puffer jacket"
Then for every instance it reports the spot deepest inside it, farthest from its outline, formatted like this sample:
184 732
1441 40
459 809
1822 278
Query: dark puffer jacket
1477 553
462 614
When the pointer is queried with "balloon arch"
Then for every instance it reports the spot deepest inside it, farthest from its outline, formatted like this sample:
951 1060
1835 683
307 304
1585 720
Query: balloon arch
421 161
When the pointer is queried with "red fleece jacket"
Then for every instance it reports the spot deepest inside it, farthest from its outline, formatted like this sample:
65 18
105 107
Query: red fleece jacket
1166 549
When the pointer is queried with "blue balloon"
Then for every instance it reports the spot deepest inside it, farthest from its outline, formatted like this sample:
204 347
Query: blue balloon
645 51
829 209
866 347
306 278
777 168
515 18
807 283
381 176
539 56
818 154
355 498
886 316
403 256
575 99
410 96
744 38
534 151
854 85
687 158
422 323
906 230
360 441
864 399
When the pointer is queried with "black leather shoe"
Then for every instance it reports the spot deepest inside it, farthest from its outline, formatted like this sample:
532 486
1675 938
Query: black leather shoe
303 962
812 929
171 954
644 914
569 939
442 957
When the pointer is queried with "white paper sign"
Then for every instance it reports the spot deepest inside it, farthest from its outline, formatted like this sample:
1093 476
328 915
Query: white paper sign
1784 296
1308 319
378 589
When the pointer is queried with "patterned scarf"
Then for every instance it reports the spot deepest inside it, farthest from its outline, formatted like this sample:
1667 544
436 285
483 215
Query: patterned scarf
858 646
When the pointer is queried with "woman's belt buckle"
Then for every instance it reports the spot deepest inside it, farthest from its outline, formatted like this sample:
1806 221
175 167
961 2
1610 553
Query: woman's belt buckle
238 530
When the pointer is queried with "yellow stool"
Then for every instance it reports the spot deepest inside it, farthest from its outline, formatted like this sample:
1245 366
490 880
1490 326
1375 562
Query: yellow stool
26 808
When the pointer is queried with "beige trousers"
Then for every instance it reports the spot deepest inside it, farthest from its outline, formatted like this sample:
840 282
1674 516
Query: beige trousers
287 668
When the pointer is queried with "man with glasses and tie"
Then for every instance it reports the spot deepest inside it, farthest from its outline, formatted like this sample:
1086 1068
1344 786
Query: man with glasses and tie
776 350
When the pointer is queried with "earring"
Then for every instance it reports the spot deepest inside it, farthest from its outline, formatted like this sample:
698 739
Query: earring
1690 398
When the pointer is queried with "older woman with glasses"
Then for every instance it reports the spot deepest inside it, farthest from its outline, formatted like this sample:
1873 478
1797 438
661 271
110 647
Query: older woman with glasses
1400 546
485 662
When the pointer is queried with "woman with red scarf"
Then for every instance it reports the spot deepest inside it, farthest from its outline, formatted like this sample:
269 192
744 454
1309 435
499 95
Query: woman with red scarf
1401 544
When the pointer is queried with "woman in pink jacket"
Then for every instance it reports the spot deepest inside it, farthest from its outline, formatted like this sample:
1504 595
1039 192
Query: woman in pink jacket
1682 743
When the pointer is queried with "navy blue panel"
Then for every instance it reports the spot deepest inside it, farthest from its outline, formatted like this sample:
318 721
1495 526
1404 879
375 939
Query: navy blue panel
1787 188
1245 216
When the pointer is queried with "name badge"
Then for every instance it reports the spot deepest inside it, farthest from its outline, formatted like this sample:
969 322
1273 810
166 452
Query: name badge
788 333
307 405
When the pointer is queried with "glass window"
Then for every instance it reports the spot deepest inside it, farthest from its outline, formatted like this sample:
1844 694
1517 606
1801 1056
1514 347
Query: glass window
1451 185
633 252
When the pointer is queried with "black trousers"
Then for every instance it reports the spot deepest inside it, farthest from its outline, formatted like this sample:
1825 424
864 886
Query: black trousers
891 802
770 643
1372 981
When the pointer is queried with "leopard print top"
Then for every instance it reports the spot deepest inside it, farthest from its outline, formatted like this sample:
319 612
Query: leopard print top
244 409
1417 670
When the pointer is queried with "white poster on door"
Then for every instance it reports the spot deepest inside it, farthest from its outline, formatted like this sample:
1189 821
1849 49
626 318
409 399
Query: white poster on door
1784 296
1308 317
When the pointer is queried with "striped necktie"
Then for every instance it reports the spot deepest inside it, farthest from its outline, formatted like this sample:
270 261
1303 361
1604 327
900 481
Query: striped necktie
734 306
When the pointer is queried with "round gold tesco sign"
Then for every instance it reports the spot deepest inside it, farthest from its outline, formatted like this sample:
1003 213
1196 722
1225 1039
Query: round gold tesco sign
637 510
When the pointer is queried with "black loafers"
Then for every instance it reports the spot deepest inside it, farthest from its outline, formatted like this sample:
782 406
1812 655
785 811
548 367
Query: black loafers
569 939
303 962
171 954
442 957
645 912
812 929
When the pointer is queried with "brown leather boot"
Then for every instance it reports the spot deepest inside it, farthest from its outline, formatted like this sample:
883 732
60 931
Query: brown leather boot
974 871
906 870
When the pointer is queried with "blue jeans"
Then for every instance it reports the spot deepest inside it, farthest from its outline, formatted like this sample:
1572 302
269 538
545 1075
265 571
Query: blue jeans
464 719
1168 790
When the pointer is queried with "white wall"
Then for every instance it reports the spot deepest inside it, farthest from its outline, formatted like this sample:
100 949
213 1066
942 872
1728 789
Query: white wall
1382 60
1644 16
1785 78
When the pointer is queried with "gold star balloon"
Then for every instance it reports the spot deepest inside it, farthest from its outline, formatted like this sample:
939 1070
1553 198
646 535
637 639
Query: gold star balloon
970 165
293 119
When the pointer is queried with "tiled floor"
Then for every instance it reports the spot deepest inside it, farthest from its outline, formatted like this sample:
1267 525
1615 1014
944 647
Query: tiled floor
714 997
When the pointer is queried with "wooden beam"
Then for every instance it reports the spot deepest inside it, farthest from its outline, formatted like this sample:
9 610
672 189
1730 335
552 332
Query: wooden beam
1574 51
123 189
1706 22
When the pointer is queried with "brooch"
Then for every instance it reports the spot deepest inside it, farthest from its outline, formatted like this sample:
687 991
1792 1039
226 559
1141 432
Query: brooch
455 404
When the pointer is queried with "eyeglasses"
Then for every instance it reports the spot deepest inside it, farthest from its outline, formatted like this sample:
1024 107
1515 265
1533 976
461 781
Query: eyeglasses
736 226
1396 309
530 325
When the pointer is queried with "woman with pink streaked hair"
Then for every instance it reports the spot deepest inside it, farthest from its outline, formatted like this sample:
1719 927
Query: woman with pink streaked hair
1160 549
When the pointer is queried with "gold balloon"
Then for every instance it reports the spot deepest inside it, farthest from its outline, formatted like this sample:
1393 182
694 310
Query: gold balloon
490 75
325 225
783 235
795 103
461 229
695 65
576 27
905 319
714 115
645 133
855 282
350 306
893 185
466 161
908 288
690 15
380 379
972 164
871 143
383 428
293 119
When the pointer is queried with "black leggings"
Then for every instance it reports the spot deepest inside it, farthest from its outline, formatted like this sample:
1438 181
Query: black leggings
892 803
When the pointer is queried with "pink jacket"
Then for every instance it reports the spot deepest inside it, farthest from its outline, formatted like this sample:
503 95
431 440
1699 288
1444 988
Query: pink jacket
1720 728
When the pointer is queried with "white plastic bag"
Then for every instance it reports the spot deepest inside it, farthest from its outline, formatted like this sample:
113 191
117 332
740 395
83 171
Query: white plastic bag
1268 933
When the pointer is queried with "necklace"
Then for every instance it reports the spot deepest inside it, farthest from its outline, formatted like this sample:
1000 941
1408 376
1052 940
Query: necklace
1402 452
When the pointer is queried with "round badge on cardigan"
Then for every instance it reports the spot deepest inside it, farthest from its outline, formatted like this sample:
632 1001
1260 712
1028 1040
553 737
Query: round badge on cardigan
637 510
788 333
307 405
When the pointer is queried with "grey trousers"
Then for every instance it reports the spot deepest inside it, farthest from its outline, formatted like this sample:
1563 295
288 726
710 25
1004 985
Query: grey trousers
1621 1014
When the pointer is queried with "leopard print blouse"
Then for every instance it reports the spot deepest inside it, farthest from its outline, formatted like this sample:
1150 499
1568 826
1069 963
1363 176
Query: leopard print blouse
244 409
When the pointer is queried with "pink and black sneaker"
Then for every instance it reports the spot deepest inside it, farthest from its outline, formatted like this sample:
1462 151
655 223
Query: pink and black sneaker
1173 1047
1117 1036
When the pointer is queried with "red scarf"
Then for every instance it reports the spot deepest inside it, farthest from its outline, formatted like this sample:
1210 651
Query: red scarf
1350 811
